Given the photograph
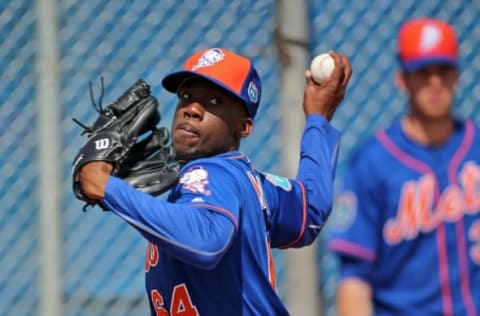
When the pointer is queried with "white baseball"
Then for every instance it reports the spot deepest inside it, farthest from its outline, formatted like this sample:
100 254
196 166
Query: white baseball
321 67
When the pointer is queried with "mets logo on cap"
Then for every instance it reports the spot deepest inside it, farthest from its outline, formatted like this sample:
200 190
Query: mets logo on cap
252 92
430 38
427 41
210 57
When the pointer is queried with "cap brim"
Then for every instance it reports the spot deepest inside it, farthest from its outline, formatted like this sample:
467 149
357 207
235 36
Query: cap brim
173 81
424 62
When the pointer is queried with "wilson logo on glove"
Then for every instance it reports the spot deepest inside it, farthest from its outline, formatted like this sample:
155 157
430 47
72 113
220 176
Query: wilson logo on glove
103 143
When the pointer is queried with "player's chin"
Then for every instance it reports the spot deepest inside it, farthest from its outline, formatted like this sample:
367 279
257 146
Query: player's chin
185 152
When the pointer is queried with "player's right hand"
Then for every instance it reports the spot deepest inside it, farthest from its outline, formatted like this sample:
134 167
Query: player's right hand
324 98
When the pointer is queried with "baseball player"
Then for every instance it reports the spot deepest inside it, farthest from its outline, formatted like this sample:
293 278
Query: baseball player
408 234
210 241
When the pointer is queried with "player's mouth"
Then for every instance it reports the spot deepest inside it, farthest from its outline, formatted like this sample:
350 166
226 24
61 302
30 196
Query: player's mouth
187 129
436 98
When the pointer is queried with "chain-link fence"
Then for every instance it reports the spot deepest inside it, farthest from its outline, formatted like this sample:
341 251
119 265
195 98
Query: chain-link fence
18 167
102 258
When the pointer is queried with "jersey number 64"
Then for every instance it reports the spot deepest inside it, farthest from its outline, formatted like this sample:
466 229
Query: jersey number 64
181 304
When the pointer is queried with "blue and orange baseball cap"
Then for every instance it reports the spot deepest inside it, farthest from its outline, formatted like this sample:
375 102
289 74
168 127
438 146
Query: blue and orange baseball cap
225 69
427 41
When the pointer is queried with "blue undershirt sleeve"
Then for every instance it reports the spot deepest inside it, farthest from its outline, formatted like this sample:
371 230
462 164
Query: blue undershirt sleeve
196 235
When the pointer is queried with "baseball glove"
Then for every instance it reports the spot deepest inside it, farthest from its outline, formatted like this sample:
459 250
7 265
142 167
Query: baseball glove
151 166
125 134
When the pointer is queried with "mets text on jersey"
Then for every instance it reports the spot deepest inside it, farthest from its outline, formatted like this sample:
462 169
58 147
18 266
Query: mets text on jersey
418 212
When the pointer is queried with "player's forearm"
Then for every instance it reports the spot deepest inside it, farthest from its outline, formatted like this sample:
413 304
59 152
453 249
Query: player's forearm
354 298
194 235
318 160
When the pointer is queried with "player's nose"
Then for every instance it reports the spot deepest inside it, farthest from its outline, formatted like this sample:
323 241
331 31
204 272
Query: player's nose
193 110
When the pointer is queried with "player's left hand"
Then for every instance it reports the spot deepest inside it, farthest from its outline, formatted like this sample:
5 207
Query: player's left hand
324 98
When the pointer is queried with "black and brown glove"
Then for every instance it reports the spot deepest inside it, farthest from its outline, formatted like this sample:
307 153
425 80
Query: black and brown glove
126 135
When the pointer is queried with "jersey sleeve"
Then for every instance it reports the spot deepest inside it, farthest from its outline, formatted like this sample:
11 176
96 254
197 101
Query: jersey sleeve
301 206
196 224
356 227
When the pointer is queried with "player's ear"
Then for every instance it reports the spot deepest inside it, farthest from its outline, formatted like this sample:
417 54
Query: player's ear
246 126
400 80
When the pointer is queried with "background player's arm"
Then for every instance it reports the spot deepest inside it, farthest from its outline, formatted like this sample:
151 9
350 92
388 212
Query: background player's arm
354 291
355 232
354 298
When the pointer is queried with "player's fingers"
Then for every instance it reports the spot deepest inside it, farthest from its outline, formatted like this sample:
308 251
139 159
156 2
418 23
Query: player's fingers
308 76
338 72
347 69
343 67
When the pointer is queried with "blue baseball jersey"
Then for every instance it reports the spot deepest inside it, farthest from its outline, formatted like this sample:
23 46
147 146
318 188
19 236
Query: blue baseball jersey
210 242
408 222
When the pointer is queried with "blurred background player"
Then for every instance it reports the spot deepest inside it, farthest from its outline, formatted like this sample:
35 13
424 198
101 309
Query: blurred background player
210 241
409 243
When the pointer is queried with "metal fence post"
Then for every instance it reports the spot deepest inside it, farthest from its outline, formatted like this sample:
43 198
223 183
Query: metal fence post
292 35
49 189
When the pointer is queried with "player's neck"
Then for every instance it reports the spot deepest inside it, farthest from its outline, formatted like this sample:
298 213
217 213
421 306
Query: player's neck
428 132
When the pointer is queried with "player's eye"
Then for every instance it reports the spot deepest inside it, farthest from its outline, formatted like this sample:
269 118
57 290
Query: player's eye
184 95
424 71
214 101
